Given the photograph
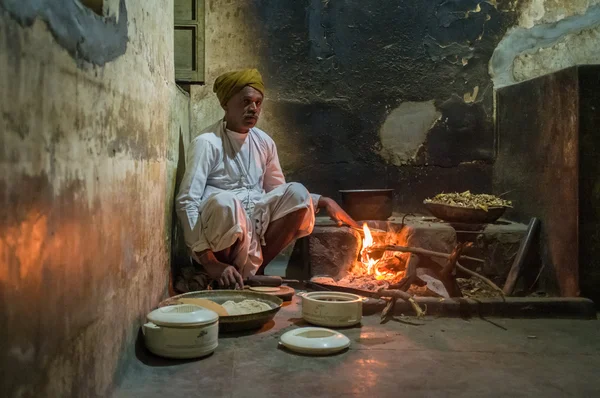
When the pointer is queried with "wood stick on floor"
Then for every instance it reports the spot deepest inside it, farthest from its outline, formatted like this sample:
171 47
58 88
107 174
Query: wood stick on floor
388 310
399 294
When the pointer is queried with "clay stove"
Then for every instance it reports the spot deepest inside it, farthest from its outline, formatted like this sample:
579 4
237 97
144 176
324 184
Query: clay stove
421 261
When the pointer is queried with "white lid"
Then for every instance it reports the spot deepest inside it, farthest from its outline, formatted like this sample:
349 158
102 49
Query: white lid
182 315
315 341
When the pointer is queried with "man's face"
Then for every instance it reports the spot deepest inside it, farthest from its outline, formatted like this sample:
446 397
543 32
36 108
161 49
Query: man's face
243 109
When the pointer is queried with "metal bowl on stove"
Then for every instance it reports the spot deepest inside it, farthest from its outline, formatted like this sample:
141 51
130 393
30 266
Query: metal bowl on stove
368 204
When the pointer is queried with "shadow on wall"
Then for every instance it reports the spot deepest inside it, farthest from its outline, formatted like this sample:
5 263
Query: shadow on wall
179 251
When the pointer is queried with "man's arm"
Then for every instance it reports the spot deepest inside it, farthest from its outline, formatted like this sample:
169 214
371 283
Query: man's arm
273 174
336 213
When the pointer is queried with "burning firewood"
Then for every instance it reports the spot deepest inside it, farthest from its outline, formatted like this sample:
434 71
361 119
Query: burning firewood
431 253
392 264
380 269
409 276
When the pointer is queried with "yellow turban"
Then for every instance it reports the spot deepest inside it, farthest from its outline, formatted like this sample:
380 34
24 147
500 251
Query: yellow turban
228 84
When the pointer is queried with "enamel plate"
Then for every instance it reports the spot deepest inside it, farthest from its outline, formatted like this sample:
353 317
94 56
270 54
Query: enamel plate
314 341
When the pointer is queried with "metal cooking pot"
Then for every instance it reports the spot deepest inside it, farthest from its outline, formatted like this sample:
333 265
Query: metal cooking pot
368 204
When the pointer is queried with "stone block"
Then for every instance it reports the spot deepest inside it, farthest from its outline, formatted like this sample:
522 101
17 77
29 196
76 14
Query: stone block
430 236
497 245
332 250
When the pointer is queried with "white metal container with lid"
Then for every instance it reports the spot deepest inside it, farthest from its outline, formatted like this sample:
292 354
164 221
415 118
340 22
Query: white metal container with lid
332 309
182 331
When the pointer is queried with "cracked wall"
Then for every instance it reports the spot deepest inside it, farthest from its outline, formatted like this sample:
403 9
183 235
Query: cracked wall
88 157
341 74
550 35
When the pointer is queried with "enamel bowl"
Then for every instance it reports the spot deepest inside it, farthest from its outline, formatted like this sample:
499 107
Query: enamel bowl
332 309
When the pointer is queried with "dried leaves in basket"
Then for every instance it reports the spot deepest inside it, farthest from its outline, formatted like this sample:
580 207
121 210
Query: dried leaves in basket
469 200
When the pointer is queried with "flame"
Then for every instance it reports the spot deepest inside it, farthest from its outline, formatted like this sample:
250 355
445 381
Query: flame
370 264
364 255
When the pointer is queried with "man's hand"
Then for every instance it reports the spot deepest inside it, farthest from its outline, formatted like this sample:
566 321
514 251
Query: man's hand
336 213
231 278
226 275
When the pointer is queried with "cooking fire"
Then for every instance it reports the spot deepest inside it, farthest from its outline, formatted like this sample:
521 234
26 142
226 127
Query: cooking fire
386 263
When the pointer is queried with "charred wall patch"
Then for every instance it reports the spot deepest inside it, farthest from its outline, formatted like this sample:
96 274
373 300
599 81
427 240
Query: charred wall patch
463 133
357 63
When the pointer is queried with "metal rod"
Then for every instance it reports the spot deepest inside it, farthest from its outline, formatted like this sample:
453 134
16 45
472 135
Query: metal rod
517 267
418 250
371 229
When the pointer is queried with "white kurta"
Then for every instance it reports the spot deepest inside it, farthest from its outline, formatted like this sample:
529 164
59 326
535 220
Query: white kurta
232 189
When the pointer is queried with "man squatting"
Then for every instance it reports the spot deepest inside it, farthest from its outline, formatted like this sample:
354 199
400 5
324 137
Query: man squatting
236 210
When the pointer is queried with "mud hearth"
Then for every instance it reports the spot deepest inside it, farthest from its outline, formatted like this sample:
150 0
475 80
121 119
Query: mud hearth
334 252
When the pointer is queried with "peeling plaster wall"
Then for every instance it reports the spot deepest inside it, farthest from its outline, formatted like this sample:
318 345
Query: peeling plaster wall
405 129
88 157
551 35
340 73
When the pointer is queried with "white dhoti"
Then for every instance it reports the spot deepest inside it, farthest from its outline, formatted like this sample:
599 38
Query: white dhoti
225 221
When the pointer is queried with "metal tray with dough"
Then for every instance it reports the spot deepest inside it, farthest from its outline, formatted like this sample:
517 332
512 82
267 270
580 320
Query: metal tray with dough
235 323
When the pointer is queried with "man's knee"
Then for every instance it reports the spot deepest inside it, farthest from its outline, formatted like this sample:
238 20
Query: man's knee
222 200
297 192
223 207
223 221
